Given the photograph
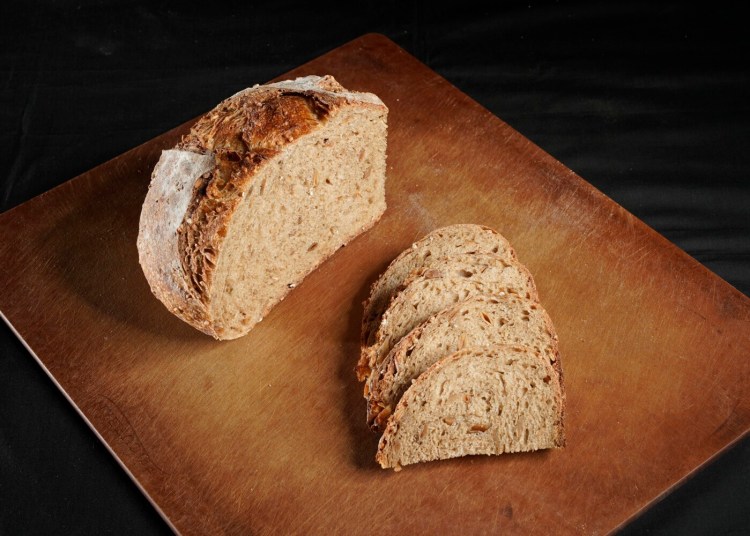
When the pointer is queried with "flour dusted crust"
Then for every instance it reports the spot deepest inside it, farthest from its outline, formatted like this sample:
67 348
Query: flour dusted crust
161 218
197 187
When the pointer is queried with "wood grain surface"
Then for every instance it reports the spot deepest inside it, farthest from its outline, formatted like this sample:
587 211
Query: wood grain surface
267 433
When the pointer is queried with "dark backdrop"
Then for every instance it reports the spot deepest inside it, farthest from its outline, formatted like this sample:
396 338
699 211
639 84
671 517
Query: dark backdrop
648 103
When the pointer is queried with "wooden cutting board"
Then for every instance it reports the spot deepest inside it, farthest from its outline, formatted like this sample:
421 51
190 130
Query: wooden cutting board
267 433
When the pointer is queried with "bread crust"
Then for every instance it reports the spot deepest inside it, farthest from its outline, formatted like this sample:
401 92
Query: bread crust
212 168
163 212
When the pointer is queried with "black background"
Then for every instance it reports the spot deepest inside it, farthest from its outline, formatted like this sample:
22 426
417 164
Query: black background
647 102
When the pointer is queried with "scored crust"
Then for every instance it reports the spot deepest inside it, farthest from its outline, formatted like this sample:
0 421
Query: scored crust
207 175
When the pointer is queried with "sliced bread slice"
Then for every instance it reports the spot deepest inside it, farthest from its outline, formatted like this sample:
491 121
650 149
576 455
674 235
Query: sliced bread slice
480 321
430 290
263 189
461 238
476 401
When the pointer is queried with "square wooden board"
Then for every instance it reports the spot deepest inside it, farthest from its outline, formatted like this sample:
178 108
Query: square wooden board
267 433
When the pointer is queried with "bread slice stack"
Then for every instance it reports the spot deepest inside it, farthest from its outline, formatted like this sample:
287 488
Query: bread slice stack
458 355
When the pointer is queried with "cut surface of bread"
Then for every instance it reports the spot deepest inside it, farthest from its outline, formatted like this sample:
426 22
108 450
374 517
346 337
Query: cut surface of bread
478 322
462 238
263 189
476 401
445 283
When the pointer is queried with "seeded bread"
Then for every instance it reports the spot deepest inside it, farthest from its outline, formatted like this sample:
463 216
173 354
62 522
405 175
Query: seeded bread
480 321
430 290
463 238
263 189
476 401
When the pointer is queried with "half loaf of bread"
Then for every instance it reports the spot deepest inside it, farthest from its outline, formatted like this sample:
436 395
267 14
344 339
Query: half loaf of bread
428 291
263 189
476 401
480 321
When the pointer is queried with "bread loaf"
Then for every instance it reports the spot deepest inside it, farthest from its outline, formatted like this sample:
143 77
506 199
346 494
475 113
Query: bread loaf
263 189
446 282
480 321
476 401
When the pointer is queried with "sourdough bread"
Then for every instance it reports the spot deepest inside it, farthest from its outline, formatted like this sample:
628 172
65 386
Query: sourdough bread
446 282
263 189
480 321
462 238
476 401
